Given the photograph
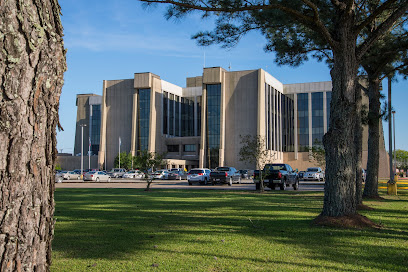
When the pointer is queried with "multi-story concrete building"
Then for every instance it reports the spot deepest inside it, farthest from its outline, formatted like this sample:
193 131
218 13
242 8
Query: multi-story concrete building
201 125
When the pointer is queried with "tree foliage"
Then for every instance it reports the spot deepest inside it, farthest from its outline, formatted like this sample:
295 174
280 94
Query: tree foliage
331 30
318 154
253 151
126 160
146 161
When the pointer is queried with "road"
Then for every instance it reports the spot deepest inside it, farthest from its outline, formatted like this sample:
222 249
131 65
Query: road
246 185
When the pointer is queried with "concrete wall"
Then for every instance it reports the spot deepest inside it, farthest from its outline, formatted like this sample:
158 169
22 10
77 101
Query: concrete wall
82 103
119 109
241 108
74 162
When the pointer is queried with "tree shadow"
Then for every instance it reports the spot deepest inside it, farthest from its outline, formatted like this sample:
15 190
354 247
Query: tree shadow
112 223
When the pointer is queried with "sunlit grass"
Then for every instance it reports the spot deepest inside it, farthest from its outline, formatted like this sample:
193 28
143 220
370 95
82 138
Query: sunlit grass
173 230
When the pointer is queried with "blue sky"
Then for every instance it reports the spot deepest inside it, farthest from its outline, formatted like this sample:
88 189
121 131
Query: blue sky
109 40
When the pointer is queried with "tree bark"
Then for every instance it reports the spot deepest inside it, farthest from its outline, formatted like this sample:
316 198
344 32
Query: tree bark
373 160
32 63
340 187
358 145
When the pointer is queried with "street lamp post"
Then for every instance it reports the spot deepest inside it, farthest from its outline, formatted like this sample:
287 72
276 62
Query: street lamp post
82 148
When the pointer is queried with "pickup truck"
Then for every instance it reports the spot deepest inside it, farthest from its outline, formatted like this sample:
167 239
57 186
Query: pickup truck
225 174
277 174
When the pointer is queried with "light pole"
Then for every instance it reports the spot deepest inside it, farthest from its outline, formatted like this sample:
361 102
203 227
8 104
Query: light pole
82 148
390 132
393 128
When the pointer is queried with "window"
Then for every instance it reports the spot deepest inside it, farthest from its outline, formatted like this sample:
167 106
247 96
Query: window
172 148
213 124
165 112
189 148
143 119
317 118
303 121
328 101
96 128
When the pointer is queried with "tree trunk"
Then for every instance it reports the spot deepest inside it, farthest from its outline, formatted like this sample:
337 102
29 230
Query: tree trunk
373 160
358 145
340 187
32 63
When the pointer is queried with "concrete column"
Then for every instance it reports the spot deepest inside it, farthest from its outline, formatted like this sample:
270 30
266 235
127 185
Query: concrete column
295 126
271 129
280 127
102 143
324 112
310 119
275 110
133 141
222 121
90 126
203 127
195 117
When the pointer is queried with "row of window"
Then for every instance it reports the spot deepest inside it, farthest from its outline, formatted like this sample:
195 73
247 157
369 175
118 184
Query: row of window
317 117
186 148
181 115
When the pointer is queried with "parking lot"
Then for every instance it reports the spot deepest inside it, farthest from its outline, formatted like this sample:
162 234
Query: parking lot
246 185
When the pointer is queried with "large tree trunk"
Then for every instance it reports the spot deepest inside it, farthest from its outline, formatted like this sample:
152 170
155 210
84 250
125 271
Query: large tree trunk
358 145
373 160
340 187
32 63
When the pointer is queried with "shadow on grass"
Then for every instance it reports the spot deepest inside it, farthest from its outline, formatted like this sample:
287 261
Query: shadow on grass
112 223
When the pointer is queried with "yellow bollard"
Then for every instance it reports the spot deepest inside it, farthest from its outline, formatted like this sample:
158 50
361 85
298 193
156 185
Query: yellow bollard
396 177
392 188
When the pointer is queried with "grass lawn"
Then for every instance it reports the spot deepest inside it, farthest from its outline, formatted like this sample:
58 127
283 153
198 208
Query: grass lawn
198 230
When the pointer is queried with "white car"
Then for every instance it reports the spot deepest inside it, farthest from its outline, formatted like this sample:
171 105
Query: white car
69 175
117 172
133 174
314 173
97 176
200 175
160 174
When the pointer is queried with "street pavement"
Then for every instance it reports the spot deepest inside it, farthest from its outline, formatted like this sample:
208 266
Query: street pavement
246 185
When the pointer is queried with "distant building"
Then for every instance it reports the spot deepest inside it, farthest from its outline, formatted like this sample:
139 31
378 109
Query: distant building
200 125
89 115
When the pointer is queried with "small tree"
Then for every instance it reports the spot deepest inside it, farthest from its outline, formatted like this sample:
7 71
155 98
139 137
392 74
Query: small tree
146 161
253 151
318 154
125 160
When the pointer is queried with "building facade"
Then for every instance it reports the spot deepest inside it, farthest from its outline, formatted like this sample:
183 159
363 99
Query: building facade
201 124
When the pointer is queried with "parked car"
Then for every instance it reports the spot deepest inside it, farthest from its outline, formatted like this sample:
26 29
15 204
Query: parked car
160 174
301 174
245 174
225 174
364 175
117 172
73 175
89 170
97 176
314 173
176 169
133 174
177 174
68 175
278 174
58 178
200 175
